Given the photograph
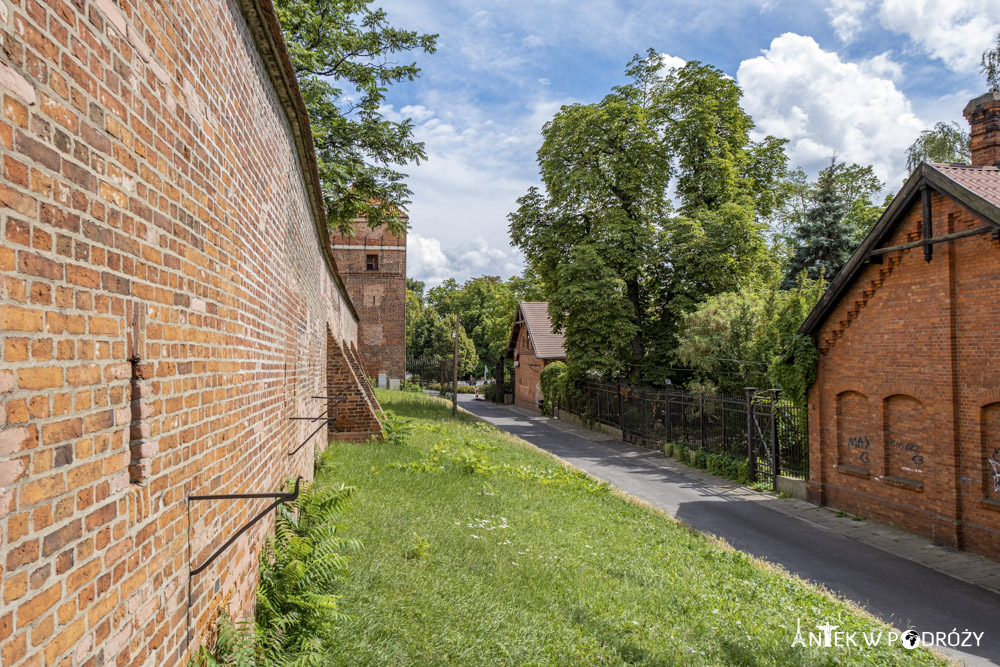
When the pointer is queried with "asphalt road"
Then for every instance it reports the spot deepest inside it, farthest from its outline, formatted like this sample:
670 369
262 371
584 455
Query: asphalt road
903 593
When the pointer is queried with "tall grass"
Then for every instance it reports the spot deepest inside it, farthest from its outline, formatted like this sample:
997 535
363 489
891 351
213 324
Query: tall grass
480 549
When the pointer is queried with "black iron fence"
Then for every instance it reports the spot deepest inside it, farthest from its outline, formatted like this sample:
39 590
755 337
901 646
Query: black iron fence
760 427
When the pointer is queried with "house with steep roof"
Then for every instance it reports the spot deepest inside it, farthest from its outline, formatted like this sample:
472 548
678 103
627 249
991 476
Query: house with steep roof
533 345
904 416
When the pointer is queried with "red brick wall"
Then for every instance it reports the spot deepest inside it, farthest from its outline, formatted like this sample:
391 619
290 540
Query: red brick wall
379 296
527 383
164 309
905 414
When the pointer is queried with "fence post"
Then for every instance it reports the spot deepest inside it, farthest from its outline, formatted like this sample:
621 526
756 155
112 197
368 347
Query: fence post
701 415
775 457
642 411
725 436
667 406
621 410
684 419
751 454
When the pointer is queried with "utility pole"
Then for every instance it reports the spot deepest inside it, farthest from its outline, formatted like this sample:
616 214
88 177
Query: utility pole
454 375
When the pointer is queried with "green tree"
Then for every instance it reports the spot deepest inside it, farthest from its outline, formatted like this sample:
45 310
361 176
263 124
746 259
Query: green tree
414 322
593 310
827 235
442 296
945 142
860 187
487 305
606 170
721 341
741 339
990 64
417 287
344 53
442 347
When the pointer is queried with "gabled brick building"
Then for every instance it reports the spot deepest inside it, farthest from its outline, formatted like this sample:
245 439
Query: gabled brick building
904 418
168 302
373 265
532 346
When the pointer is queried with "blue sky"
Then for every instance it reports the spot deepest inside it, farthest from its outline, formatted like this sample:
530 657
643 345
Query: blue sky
859 78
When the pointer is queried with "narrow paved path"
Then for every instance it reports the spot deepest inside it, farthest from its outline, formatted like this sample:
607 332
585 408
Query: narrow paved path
903 593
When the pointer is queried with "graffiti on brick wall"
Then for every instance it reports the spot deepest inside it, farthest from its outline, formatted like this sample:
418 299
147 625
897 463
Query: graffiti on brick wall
854 428
914 451
990 433
859 446
906 425
994 462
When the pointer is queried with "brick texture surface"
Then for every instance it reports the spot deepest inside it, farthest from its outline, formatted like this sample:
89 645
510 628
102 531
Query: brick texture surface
165 308
379 295
904 418
527 373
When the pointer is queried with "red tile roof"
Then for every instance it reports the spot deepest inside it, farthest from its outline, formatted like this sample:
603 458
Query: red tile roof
984 181
547 345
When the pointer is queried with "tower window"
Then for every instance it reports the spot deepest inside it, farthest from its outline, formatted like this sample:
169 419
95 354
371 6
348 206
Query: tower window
371 262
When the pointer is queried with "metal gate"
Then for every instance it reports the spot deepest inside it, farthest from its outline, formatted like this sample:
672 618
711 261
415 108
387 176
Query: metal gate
762 439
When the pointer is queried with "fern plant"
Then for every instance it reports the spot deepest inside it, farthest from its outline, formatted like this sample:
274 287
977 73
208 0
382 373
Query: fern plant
234 646
300 567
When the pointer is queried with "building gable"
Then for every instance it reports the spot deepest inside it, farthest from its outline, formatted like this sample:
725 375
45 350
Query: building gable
977 189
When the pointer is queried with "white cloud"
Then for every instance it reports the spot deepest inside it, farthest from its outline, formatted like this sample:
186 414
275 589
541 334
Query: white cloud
479 163
427 261
954 31
417 112
847 17
672 62
825 106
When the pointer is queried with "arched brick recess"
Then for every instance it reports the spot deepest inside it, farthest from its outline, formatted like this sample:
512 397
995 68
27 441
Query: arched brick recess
857 430
908 454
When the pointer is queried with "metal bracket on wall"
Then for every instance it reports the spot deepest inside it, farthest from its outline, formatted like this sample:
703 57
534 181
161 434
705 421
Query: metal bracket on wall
323 417
279 499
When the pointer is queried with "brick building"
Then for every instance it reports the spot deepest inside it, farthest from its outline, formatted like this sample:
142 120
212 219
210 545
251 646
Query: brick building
532 346
904 418
373 265
168 301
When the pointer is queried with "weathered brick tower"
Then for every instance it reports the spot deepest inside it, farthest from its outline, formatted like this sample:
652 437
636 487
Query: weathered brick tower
373 266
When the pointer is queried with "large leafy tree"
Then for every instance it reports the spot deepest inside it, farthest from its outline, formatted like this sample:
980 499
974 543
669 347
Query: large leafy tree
945 142
345 57
606 212
606 168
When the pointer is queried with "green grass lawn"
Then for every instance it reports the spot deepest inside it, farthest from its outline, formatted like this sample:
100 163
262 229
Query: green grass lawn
480 549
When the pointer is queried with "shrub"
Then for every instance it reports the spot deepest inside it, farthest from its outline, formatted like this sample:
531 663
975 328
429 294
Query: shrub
700 459
419 549
395 429
446 390
411 387
489 391
743 472
554 380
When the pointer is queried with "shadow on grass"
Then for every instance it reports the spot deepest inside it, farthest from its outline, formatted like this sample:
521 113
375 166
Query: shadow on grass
420 406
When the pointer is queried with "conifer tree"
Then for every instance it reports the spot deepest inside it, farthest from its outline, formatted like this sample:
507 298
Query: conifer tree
825 238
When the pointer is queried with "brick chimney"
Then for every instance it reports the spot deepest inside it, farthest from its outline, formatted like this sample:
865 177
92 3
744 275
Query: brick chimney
983 114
